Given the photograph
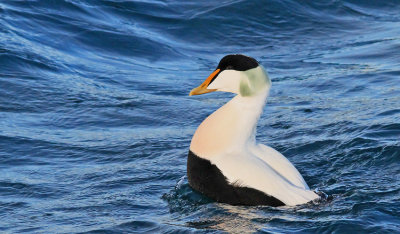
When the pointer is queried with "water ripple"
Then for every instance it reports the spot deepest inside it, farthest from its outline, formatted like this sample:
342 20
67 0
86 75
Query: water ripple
95 118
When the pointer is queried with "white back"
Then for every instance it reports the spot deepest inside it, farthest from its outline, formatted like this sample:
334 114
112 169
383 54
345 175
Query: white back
227 139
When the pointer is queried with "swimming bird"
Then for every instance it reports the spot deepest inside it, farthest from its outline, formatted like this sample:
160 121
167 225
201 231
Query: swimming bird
224 162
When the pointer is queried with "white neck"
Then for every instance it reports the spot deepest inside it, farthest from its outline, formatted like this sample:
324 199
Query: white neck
230 128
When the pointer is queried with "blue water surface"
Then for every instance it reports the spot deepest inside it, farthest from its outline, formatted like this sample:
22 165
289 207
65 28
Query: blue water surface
96 121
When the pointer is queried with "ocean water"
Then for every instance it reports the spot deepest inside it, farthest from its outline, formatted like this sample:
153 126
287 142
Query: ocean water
96 121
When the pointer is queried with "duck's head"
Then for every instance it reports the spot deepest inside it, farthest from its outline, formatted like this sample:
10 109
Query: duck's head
238 74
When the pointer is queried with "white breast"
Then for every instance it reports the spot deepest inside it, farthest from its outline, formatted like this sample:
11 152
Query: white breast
227 139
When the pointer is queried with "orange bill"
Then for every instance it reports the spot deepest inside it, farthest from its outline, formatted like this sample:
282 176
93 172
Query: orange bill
203 87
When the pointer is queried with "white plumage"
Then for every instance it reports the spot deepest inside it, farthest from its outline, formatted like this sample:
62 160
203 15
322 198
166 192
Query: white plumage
227 139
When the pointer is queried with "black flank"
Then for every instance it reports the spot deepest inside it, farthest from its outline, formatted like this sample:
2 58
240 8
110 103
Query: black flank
207 179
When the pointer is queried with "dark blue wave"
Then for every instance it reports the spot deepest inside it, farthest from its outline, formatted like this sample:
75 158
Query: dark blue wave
95 121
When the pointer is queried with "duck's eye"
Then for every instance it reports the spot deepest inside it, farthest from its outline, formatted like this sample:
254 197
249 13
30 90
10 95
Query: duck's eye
230 67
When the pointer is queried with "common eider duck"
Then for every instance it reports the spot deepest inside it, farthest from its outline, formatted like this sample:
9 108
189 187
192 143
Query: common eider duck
224 162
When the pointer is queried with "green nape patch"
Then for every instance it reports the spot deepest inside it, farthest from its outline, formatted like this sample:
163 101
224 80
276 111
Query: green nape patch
255 80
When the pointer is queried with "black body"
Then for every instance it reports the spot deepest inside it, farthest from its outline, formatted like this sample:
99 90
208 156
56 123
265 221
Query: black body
207 179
